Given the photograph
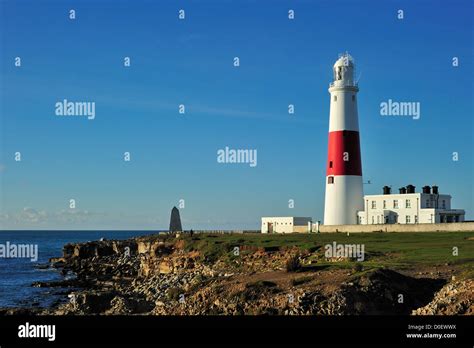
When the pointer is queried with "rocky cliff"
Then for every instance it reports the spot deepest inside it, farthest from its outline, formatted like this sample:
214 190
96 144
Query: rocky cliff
181 275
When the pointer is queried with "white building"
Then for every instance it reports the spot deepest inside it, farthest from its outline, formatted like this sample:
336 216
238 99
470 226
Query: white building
409 207
286 224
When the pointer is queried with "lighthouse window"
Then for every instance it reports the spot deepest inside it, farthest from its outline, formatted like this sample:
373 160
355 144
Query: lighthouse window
330 164
330 180
335 98
353 98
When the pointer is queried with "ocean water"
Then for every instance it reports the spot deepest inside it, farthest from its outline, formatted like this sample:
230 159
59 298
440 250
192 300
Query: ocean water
17 274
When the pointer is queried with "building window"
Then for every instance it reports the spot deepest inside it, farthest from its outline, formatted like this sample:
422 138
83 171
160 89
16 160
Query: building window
427 203
407 219
335 98
374 204
395 204
416 219
395 219
407 203
330 180
384 204
444 204
372 220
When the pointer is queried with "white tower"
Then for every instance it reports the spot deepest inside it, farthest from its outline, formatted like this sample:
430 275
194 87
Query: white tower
344 194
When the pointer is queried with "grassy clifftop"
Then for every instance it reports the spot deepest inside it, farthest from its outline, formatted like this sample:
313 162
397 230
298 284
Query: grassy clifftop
391 250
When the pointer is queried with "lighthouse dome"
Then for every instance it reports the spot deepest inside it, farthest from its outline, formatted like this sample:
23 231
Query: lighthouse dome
345 59
344 69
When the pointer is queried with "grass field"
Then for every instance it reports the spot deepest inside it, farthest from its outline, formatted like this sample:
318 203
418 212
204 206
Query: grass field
391 250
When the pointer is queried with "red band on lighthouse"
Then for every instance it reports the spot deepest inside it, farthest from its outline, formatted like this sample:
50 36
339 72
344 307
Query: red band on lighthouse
344 154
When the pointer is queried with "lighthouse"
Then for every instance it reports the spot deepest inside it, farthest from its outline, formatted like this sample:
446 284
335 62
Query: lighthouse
344 193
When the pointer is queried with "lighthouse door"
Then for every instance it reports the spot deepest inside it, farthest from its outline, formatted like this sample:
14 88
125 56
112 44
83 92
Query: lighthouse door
270 227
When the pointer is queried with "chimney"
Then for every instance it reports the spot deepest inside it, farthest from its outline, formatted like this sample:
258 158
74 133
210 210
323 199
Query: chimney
426 189
386 190
402 190
410 189
435 189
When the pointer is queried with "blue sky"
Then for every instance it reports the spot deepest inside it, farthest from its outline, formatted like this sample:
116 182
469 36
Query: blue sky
190 62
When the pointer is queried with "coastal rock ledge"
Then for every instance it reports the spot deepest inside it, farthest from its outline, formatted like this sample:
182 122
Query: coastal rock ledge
206 274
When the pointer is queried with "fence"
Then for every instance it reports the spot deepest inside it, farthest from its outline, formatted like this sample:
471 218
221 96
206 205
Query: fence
445 227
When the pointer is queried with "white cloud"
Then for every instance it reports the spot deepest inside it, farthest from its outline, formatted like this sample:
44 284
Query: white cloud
30 218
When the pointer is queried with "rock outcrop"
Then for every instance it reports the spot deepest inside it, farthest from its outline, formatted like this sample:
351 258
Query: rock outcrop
454 298
165 275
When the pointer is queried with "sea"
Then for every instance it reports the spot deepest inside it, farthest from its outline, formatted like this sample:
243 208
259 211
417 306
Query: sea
17 274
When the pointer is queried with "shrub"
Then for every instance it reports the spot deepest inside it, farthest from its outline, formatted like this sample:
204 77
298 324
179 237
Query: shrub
358 267
293 264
